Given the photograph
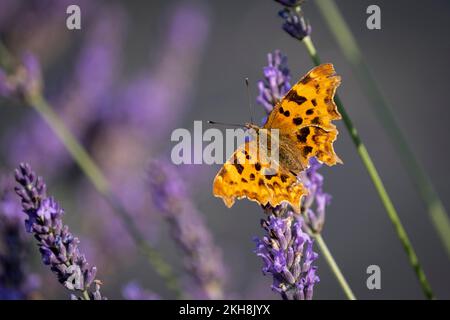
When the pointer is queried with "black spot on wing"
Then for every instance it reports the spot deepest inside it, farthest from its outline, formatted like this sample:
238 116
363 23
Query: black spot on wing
314 102
293 96
239 167
306 150
316 120
297 121
306 79
303 134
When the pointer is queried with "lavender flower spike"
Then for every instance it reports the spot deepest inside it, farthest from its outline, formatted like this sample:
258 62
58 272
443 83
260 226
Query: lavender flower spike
295 24
286 249
315 203
276 82
203 259
287 255
58 247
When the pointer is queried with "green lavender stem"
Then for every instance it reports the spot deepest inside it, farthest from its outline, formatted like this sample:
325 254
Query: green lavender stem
334 267
86 295
346 41
376 179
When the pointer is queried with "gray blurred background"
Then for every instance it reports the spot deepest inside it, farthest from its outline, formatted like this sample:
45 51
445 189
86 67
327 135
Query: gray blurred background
409 59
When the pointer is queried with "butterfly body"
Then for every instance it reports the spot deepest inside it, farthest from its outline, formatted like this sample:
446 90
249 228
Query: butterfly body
303 120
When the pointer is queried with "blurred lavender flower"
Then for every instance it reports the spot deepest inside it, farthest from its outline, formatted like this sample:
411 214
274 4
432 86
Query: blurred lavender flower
133 121
276 82
313 181
81 99
295 24
35 25
134 291
24 81
287 255
143 103
58 247
203 259
15 280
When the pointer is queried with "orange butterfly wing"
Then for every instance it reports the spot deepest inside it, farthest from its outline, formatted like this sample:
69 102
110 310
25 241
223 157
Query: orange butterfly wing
304 119
305 115
243 175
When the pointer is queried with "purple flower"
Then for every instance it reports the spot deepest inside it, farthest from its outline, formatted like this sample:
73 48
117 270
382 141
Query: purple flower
295 24
316 197
134 291
290 3
15 280
58 247
80 101
287 255
203 259
276 82
25 80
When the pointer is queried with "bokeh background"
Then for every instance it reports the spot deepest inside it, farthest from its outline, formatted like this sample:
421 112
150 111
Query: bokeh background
139 69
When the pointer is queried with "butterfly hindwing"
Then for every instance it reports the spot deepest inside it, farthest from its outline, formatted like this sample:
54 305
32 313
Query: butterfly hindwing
245 175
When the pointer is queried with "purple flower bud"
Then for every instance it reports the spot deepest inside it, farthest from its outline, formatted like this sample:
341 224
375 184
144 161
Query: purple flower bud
58 248
295 24
315 203
276 82
292 277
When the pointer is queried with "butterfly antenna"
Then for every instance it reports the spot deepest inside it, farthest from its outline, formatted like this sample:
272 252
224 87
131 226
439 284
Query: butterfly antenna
249 100
226 124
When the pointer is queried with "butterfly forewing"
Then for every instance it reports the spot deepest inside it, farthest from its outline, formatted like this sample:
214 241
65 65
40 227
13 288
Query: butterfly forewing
305 115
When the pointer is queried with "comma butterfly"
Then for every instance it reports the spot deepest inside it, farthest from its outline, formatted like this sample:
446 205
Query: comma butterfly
304 119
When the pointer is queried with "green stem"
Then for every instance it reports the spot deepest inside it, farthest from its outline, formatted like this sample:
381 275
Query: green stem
346 41
94 174
334 267
86 295
376 179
